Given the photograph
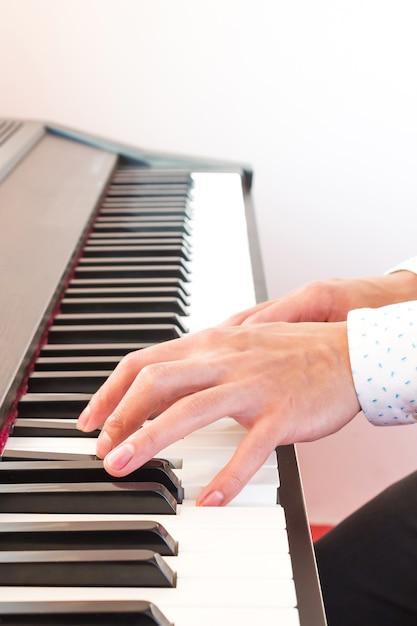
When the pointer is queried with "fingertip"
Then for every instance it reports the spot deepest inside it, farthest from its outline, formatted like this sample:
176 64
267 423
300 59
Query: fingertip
104 444
213 498
84 418
117 461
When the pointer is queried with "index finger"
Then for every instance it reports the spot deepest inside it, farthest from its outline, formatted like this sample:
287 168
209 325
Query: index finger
110 394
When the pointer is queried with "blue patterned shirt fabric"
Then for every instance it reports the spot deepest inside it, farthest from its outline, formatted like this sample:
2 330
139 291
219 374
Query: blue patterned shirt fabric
383 355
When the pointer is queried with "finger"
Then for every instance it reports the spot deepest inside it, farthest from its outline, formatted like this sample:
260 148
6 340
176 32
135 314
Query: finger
106 399
288 309
186 415
249 457
241 316
156 387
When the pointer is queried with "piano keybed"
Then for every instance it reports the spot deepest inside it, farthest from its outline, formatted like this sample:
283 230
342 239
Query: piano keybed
78 546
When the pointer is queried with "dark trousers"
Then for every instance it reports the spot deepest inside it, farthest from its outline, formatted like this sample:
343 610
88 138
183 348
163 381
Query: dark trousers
368 563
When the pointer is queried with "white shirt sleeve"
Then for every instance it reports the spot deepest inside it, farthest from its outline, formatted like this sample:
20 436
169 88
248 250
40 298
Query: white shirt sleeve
410 265
383 354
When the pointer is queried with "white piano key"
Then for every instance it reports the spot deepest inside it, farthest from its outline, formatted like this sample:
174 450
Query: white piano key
224 285
194 475
236 566
52 444
219 436
224 532
189 592
262 488
204 529
232 541
188 517
188 616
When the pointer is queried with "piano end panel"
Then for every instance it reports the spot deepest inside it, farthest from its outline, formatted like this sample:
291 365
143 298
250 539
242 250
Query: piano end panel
254 246
291 497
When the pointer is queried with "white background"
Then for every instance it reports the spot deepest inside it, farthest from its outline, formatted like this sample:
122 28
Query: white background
319 97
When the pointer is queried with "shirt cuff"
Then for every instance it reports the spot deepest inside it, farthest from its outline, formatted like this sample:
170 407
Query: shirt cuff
383 356
410 265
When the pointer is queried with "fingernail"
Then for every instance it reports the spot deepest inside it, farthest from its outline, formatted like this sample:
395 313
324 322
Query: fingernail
118 458
214 498
104 444
83 418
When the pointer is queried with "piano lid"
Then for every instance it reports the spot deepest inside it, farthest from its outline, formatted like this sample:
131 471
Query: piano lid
17 137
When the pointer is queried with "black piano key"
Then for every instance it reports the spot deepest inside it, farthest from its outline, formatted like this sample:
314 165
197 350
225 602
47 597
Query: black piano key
113 333
139 218
173 209
67 382
103 235
154 471
105 291
154 217
135 251
133 174
35 427
118 319
84 535
85 568
91 349
154 284
176 211
76 363
137 240
101 498
131 271
153 223
126 261
147 201
123 305
141 177
128 172
52 404
174 227
148 189
140 189
83 613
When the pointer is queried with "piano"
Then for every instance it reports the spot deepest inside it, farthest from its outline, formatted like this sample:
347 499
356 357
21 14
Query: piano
106 249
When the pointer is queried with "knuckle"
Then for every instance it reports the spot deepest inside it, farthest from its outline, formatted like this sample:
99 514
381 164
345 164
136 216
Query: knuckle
211 337
316 288
129 361
116 422
150 436
152 375
234 481
192 406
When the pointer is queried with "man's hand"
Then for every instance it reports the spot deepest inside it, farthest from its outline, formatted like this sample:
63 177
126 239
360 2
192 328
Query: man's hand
331 300
283 382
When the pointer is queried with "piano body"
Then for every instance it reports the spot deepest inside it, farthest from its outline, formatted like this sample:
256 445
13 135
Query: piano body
105 249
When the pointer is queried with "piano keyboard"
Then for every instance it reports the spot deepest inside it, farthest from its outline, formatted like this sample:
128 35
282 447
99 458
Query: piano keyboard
77 545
